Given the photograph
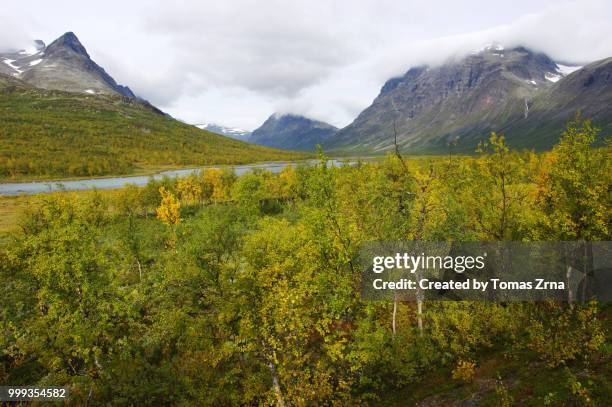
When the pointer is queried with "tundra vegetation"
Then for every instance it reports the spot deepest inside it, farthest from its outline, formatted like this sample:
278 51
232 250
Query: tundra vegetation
53 134
223 290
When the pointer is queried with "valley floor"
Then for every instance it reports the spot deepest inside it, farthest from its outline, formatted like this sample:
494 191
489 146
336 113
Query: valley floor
217 289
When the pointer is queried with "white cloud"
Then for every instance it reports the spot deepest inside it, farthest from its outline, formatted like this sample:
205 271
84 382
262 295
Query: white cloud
237 61
12 35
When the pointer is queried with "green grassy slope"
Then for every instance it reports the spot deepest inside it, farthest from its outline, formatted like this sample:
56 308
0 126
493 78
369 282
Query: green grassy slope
50 134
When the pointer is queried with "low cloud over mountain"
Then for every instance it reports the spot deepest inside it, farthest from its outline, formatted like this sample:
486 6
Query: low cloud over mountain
237 61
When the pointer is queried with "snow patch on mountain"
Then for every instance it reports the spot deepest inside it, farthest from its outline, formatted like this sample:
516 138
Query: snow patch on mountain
33 50
493 47
567 69
10 63
552 77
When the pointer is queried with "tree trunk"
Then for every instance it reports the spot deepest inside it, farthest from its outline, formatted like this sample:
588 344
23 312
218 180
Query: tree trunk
420 316
276 385
394 312
570 294
139 269
587 259
275 380
89 395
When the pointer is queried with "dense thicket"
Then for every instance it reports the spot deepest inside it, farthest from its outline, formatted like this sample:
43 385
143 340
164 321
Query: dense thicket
224 290
58 134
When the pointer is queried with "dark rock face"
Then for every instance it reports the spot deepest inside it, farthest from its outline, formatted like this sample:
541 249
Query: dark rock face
65 44
62 65
40 45
292 132
461 102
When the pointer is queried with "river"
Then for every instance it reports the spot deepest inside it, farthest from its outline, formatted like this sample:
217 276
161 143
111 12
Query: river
38 187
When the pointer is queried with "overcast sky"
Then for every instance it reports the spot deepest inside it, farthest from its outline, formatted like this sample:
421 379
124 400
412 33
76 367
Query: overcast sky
235 62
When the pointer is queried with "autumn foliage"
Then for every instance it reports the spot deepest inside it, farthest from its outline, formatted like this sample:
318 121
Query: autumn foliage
257 299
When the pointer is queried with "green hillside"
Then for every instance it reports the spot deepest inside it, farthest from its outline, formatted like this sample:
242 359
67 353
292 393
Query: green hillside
52 134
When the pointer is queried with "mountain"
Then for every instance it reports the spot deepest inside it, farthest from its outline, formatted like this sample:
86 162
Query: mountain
62 65
588 90
233 132
293 132
523 94
56 134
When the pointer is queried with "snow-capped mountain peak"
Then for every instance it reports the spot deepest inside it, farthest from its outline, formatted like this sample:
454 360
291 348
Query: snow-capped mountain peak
63 65
233 132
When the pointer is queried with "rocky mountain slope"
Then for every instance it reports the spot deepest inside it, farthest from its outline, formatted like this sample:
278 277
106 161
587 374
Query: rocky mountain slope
587 90
523 94
293 132
62 65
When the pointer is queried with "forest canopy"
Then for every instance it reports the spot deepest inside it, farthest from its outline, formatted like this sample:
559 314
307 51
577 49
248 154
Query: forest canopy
222 290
